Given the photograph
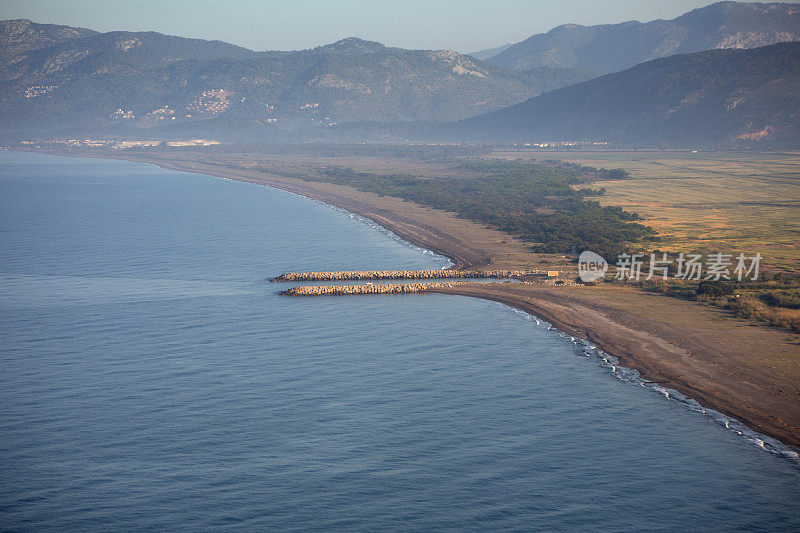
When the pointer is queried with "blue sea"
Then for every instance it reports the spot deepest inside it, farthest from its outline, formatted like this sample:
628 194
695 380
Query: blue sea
151 378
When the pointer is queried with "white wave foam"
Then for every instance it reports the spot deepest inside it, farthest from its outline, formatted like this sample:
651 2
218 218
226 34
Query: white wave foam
632 376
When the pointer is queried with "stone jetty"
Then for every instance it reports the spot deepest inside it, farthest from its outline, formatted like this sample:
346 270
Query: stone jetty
404 274
337 290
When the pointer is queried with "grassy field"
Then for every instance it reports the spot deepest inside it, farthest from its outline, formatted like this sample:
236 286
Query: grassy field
705 202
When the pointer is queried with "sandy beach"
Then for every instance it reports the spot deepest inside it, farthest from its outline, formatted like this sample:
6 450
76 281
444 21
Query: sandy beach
742 369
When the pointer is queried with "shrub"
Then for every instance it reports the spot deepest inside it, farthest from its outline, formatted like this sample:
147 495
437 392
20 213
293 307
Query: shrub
790 299
785 318
714 289
746 307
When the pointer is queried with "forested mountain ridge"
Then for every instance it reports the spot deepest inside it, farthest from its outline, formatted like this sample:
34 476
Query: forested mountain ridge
63 80
615 47
717 98
20 36
34 51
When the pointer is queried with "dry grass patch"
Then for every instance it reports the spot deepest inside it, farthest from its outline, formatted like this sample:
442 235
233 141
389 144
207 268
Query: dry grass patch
731 202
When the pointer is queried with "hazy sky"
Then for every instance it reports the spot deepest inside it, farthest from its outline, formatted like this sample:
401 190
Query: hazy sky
463 25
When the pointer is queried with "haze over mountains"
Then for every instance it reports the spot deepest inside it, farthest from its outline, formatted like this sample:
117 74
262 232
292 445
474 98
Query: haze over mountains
59 78
615 47
59 81
717 98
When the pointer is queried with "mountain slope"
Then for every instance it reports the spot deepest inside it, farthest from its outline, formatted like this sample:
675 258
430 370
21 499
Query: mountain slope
20 36
490 52
30 50
78 81
714 98
614 47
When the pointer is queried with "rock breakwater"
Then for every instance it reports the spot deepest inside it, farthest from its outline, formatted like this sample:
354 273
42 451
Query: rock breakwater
339 290
404 274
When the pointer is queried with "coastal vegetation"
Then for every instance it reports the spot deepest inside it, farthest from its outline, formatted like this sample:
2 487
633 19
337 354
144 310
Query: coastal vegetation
574 205
549 204
707 201
417 152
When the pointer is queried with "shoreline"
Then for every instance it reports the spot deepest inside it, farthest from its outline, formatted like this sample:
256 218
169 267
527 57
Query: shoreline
675 355
605 334
461 259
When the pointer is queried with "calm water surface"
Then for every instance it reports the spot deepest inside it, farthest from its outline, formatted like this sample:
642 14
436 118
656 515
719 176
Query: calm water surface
150 378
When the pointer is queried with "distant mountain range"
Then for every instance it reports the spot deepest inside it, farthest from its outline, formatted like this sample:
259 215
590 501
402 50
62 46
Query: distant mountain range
65 80
717 98
60 81
615 47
